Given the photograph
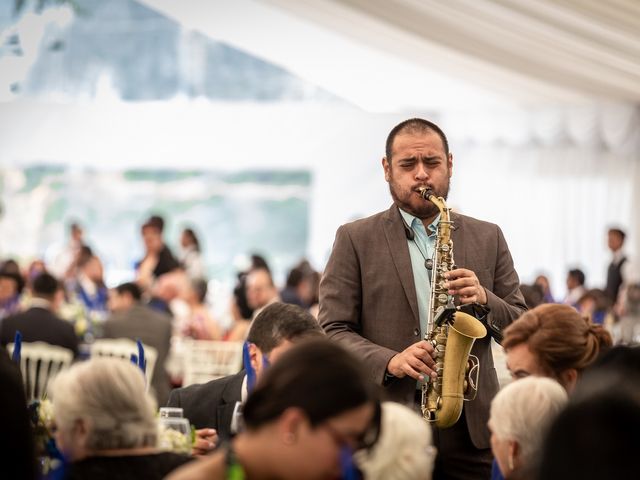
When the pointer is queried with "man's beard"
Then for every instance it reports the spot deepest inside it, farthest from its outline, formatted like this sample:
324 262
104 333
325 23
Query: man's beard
420 208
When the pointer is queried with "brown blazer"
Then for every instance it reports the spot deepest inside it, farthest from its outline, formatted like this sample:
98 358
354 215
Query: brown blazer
368 299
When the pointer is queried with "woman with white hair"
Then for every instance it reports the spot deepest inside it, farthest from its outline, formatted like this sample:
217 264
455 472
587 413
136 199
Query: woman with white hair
521 414
404 448
105 423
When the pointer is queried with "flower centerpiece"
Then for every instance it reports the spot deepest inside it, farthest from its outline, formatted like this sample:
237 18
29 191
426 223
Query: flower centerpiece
41 417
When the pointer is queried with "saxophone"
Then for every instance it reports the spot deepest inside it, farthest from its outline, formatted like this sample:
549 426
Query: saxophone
451 332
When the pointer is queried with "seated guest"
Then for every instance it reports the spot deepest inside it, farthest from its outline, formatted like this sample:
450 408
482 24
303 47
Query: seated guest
87 287
39 323
617 370
594 304
199 324
308 412
133 320
533 295
11 285
594 439
553 340
158 258
260 292
575 287
521 414
543 282
191 258
211 405
404 450
106 423
17 451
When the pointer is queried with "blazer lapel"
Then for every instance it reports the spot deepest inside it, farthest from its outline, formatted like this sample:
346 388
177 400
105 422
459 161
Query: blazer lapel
397 241
232 394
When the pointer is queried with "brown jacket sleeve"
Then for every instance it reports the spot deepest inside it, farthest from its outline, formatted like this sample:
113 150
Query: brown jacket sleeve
341 305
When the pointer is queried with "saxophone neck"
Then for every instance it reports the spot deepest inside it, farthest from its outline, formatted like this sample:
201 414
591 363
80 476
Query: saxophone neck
439 202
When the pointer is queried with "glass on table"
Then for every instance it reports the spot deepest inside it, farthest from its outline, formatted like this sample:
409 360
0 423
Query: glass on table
174 434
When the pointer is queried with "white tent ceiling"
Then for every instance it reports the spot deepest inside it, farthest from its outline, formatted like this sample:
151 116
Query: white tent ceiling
431 54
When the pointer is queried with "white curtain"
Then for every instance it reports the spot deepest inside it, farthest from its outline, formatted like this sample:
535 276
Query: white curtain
554 187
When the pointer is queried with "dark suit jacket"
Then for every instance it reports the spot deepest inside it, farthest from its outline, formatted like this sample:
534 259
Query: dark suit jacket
153 329
211 404
17 449
39 325
368 299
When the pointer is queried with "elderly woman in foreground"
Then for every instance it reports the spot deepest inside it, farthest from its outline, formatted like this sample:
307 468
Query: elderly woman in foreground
521 414
106 423
404 450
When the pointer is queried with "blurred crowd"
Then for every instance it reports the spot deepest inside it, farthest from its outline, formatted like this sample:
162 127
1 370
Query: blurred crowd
168 298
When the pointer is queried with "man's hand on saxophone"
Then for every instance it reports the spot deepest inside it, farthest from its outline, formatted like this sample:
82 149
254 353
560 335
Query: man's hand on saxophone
465 284
416 360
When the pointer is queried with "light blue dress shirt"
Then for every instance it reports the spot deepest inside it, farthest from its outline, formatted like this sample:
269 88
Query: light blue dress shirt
421 248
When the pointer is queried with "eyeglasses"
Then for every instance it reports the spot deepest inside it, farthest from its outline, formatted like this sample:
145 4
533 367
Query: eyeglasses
364 440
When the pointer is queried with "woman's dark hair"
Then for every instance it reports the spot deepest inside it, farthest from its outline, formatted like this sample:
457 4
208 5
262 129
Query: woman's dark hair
317 376
594 439
192 236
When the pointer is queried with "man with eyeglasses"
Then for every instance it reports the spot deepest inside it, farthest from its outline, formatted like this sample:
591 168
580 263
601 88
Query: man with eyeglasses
210 407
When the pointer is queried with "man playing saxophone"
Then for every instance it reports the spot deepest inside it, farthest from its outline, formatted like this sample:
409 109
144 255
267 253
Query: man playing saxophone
375 291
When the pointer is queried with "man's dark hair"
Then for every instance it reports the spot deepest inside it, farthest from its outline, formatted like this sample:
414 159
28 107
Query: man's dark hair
414 125
259 262
130 288
606 423
618 232
45 285
84 255
320 378
157 221
279 322
189 232
578 275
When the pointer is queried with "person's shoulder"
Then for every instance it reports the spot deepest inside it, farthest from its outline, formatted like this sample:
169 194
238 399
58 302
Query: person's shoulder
143 311
372 222
201 391
465 221
168 460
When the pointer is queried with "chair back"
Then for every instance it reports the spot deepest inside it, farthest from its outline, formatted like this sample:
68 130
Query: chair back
124 348
206 360
39 363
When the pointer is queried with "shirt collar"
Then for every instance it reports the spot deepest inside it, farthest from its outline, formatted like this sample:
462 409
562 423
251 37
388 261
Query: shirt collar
244 390
618 255
37 302
409 219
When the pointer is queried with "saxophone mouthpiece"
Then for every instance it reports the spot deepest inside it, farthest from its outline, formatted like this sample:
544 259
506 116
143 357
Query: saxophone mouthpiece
425 192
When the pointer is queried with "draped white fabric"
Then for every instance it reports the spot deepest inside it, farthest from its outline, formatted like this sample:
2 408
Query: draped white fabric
537 50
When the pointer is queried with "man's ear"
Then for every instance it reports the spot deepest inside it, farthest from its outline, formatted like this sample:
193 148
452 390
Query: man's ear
255 357
80 429
450 164
568 379
290 423
387 167
514 454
